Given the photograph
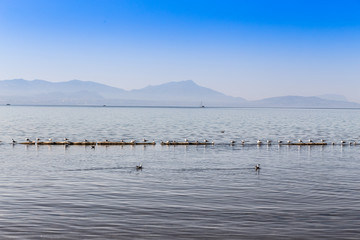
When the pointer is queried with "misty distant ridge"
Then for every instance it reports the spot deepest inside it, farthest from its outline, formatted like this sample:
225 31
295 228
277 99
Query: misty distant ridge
183 93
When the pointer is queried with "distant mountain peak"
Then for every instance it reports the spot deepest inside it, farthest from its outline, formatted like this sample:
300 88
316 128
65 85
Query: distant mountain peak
181 93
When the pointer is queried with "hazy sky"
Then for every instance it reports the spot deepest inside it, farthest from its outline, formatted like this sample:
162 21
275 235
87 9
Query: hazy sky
251 49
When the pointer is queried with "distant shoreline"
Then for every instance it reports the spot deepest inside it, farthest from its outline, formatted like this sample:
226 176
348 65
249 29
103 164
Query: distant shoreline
192 107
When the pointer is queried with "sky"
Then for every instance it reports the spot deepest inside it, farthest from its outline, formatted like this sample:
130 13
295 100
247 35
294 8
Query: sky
251 49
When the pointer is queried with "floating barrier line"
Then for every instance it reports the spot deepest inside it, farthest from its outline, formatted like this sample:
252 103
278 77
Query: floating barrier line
88 143
187 143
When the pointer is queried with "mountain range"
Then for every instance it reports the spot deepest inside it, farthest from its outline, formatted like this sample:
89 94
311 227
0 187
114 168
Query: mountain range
183 93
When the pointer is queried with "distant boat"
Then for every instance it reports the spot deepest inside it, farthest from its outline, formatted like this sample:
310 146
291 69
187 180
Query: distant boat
8 104
202 105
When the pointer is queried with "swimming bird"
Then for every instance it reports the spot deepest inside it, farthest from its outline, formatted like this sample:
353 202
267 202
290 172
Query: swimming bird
268 142
280 142
93 147
232 142
139 167
343 142
222 131
145 140
242 142
85 140
259 142
13 141
257 167
289 142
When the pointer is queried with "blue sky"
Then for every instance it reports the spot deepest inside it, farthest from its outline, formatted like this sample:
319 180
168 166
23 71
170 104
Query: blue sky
251 49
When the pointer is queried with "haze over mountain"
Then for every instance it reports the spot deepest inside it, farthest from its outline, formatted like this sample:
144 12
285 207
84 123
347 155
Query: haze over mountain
183 93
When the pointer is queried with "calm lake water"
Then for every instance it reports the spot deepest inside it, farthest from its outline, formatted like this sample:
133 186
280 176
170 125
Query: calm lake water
183 192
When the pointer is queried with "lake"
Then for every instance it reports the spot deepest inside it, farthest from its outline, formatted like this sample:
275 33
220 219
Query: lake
182 192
